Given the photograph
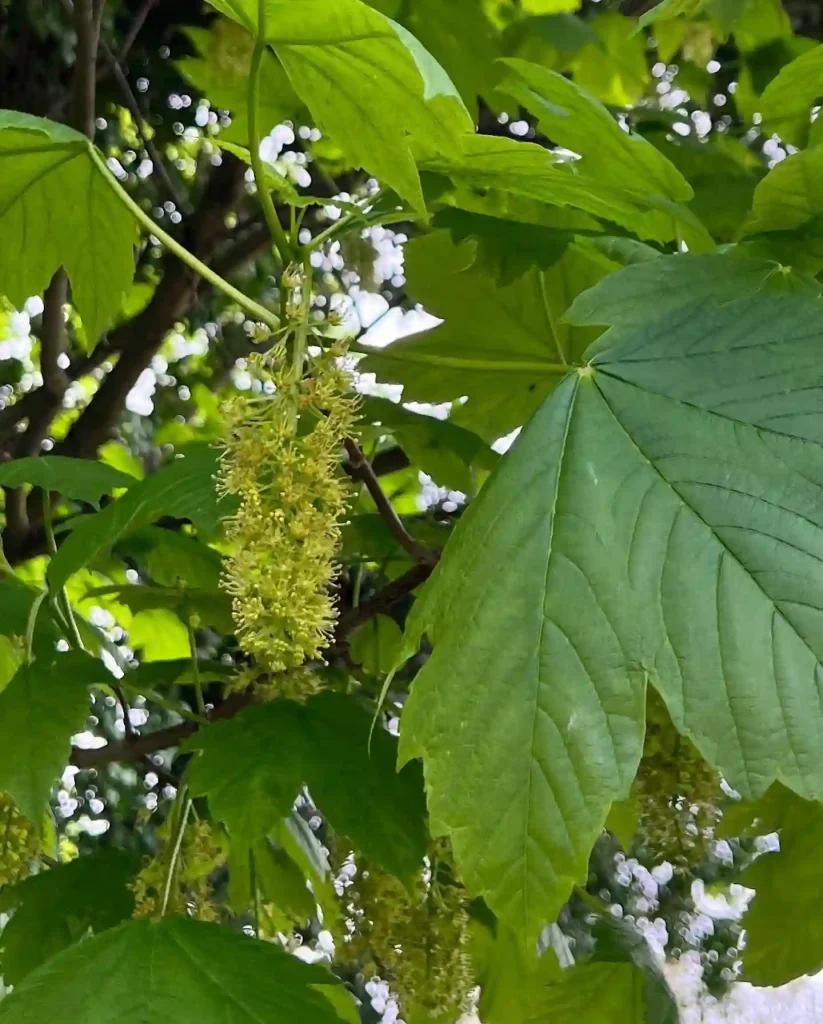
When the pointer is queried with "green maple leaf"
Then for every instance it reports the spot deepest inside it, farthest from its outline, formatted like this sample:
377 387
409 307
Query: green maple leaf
251 782
57 907
367 82
657 522
185 971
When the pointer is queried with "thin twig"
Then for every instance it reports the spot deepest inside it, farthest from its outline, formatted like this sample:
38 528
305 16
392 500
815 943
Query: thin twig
134 29
133 108
360 468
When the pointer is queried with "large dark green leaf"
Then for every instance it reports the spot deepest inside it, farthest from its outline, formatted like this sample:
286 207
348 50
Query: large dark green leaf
504 347
367 82
252 767
73 478
43 705
658 520
56 908
54 201
185 971
183 489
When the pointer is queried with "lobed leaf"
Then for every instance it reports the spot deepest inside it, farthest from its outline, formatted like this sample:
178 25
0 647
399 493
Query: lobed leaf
251 769
658 520
184 970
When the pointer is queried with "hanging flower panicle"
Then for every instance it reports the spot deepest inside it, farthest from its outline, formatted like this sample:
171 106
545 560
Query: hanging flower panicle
280 457
202 851
418 941
20 843
678 793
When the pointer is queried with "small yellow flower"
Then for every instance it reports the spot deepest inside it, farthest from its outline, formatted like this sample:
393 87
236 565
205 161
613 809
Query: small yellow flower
202 851
20 843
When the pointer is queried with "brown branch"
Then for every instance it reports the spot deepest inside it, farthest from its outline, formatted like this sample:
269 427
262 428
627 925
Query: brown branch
360 468
140 747
383 601
134 29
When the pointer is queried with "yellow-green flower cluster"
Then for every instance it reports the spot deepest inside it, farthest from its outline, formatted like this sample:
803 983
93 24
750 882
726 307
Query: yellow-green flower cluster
202 851
20 843
281 459
418 941
677 793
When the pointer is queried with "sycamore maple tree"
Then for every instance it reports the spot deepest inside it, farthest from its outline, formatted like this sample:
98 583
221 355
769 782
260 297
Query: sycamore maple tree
321 706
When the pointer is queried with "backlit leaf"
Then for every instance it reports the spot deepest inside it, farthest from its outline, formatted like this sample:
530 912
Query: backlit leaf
73 478
787 100
367 82
572 118
41 708
54 201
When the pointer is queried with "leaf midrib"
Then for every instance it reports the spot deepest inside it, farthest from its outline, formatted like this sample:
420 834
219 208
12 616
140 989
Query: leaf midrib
543 620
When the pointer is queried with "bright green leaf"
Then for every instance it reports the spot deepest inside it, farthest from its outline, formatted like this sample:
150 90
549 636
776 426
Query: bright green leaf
367 82
221 73
791 194
503 347
73 478
189 973
460 37
614 68
375 644
572 118
450 454
251 781
41 708
787 100
183 489
56 908
54 199
158 634
527 170
663 524
672 9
